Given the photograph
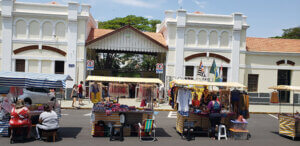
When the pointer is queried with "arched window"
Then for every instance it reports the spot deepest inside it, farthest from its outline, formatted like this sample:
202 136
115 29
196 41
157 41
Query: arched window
213 39
60 30
202 38
224 39
47 31
190 39
34 30
21 29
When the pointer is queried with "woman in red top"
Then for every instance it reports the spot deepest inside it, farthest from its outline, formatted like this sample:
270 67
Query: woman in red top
20 117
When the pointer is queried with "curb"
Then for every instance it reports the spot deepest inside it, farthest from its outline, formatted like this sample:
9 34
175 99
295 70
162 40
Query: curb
167 110
88 108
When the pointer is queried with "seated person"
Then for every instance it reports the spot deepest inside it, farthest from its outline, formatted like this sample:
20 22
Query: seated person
48 121
20 117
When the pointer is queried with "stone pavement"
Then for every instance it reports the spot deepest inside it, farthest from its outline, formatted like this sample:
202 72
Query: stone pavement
274 108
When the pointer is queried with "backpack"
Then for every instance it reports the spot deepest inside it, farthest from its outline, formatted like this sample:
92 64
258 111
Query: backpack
216 106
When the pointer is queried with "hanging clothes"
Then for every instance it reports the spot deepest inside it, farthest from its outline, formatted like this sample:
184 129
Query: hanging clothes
147 92
96 93
235 97
184 100
274 97
118 90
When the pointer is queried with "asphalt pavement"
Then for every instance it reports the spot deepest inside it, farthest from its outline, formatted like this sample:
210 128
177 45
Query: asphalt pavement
76 131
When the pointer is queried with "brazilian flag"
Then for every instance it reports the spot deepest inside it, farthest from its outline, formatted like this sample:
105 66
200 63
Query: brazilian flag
213 68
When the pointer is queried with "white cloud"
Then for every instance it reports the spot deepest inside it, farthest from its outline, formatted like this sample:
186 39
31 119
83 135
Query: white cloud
136 3
149 17
180 2
200 4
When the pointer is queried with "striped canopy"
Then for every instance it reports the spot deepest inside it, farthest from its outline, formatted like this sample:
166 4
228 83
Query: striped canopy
21 79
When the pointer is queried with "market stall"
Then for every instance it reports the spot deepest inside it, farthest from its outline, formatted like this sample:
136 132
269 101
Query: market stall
16 82
195 103
289 123
104 93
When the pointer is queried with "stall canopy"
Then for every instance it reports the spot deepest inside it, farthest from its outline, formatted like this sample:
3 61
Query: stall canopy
124 79
21 79
204 83
286 88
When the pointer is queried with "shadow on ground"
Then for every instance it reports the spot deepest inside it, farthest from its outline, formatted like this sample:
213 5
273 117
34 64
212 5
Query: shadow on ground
69 132
287 137
160 132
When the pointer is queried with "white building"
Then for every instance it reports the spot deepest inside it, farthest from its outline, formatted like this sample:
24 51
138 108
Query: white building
54 38
258 63
44 38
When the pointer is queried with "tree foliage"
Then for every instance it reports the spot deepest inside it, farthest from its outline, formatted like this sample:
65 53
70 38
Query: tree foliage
141 23
128 61
290 33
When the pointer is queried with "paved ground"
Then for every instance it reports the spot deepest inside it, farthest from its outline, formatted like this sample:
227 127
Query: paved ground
75 131
273 108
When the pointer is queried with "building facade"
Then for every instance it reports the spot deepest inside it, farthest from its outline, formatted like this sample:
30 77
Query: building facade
258 63
44 38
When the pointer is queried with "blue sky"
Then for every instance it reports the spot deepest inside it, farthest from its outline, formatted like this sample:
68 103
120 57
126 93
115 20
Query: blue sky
266 17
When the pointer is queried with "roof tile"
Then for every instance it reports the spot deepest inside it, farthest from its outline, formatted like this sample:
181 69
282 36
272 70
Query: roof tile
272 45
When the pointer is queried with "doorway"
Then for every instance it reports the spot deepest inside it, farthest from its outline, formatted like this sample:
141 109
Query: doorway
284 78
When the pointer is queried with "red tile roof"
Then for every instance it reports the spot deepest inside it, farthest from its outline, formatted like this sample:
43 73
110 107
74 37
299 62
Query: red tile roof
97 34
272 45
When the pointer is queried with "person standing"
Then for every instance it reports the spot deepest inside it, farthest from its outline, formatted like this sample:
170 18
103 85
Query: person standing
74 94
80 91
214 107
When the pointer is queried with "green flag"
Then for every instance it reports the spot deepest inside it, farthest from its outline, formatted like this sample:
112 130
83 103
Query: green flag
213 68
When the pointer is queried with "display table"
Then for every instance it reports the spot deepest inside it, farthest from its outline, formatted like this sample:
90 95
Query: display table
201 120
289 125
132 118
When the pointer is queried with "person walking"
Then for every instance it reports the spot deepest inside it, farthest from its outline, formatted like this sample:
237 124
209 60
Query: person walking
74 94
214 108
80 91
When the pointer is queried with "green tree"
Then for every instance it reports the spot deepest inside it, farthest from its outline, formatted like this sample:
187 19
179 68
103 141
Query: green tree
290 33
132 62
141 23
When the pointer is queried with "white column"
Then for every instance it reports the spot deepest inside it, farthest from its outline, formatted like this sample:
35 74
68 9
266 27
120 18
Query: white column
13 63
40 66
26 65
179 51
195 72
236 40
53 66
219 40
7 34
70 64
207 39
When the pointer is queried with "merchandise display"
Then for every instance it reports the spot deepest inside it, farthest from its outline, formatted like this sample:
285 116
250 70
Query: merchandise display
289 124
109 118
192 102
119 90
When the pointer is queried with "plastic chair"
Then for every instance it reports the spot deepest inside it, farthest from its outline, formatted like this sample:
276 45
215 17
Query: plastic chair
222 134
148 127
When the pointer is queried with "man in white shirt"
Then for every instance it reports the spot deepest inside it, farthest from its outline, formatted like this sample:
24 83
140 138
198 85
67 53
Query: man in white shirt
48 121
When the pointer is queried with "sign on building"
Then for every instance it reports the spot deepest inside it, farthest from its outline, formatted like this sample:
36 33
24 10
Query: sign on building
90 64
159 68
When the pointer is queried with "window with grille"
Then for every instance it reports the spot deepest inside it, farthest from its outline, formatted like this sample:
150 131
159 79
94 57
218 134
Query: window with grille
189 71
20 65
252 82
59 67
